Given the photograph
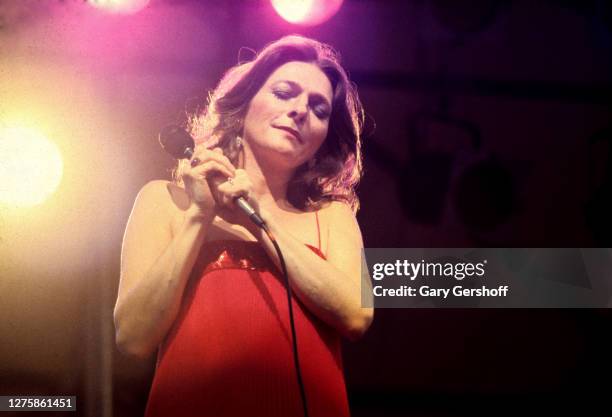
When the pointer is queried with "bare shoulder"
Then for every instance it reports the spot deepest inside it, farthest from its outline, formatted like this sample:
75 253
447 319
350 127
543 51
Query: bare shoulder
341 215
163 197
339 207
341 223
162 194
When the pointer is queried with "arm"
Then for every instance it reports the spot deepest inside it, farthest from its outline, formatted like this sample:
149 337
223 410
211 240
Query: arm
155 267
330 289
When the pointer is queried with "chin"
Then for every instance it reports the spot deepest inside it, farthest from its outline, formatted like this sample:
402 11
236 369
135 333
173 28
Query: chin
289 159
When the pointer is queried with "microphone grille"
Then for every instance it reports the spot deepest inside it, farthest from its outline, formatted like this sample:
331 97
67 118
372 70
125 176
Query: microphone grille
176 141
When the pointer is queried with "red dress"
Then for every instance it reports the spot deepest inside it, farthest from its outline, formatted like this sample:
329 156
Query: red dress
229 352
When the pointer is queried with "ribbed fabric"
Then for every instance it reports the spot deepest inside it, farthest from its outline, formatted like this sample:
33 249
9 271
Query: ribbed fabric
229 352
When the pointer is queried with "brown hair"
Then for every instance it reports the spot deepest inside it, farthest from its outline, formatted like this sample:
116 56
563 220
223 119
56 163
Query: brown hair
338 162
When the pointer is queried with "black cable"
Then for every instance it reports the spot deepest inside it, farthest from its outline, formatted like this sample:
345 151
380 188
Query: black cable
296 358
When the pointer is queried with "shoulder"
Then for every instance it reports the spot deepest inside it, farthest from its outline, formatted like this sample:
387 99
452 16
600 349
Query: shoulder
154 191
163 194
160 201
339 208
159 206
338 211
341 221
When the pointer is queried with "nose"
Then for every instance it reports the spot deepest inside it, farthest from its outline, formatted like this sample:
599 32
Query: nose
299 110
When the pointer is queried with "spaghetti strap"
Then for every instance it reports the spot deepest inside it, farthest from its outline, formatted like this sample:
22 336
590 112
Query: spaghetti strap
318 230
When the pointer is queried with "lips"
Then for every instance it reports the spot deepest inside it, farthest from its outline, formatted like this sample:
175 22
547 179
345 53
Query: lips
294 132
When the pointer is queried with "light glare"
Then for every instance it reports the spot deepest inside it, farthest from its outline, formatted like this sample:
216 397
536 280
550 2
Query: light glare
30 167
306 12
120 6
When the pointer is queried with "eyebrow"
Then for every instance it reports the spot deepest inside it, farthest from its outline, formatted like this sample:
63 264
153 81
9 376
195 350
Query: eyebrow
293 84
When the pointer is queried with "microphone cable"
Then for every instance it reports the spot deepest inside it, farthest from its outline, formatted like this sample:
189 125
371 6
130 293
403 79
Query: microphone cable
296 357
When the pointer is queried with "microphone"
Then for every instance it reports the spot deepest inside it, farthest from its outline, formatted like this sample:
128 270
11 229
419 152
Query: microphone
178 143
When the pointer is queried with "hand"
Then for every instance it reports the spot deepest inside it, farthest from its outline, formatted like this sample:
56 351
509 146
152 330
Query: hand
239 185
207 169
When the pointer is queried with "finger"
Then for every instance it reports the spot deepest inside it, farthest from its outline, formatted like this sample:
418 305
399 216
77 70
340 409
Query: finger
242 180
233 190
194 160
204 155
197 151
214 152
230 199
211 168
240 173
214 169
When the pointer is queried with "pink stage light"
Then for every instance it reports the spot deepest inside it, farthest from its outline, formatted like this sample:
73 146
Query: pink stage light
306 12
120 6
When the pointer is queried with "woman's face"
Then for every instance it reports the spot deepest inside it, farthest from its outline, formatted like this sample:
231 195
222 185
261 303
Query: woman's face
288 118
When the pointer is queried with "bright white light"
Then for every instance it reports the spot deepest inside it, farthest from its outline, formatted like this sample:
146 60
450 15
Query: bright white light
293 11
30 167
306 12
120 6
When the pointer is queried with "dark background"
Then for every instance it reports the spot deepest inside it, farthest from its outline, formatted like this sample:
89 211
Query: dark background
488 125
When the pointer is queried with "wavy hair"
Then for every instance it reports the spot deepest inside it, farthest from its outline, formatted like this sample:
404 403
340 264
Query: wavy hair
337 166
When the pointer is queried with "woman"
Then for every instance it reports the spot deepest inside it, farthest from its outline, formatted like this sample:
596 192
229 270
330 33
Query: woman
202 283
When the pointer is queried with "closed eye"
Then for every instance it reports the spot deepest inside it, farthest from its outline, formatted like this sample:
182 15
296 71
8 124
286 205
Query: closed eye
283 95
321 112
317 104
320 108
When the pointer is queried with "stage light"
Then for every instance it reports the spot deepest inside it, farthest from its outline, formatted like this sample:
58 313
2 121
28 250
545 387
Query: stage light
30 167
120 6
306 12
